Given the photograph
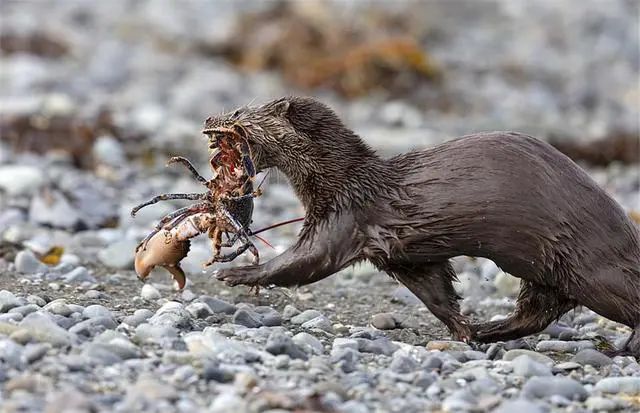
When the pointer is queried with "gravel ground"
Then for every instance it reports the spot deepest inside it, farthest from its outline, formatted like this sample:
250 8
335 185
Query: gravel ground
84 335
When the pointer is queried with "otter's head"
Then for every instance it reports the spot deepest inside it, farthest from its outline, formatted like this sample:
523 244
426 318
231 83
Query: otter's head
266 129
307 141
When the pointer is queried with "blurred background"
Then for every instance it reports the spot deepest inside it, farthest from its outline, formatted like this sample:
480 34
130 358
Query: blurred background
94 96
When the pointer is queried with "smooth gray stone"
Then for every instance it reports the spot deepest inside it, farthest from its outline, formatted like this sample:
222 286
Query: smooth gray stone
545 387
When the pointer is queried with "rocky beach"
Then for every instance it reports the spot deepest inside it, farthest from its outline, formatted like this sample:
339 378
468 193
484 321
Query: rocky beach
96 96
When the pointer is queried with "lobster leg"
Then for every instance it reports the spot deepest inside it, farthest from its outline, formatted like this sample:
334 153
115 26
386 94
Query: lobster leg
232 256
244 235
190 210
167 197
187 164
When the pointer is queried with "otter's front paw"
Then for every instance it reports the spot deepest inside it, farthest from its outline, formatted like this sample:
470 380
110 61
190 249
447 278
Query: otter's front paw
250 275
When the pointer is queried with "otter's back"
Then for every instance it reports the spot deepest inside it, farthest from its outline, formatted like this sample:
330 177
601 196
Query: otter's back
511 198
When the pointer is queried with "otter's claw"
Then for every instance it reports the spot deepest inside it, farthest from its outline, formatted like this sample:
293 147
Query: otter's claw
240 275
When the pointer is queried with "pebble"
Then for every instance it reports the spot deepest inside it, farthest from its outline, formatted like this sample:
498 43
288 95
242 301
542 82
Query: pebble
8 301
346 359
149 292
93 326
97 310
563 346
305 316
268 316
43 328
540 358
378 346
629 385
34 352
27 263
247 318
592 357
139 316
218 306
528 367
171 314
545 387
600 404
383 321
199 310
402 363
154 333
20 179
279 343
79 275
319 323
340 343
447 345
59 307
308 343
289 312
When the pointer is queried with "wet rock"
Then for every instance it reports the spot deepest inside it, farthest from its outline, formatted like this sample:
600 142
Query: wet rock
27 263
629 385
591 357
383 321
545 387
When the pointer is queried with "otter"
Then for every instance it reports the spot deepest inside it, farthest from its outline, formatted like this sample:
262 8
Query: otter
504 196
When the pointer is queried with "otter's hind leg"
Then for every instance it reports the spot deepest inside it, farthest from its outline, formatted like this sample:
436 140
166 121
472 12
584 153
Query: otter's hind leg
537 306
433 285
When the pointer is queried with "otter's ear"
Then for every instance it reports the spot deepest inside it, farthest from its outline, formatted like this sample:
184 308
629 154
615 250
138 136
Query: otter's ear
281 107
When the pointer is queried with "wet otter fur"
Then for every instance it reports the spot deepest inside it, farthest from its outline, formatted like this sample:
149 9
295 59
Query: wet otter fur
502 195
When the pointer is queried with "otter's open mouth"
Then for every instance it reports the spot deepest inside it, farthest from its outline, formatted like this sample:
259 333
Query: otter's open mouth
230 154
